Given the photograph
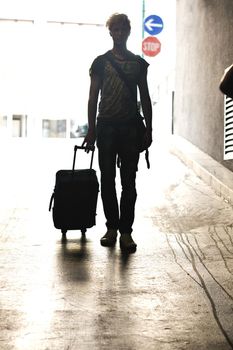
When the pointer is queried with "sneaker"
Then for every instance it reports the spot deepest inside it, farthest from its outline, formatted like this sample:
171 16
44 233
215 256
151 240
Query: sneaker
109 239
127 243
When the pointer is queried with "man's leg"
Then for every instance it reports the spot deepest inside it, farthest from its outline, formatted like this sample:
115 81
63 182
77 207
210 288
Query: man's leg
129 194
129 163
107 163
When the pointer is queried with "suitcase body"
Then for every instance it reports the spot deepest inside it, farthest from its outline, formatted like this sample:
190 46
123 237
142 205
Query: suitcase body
75 198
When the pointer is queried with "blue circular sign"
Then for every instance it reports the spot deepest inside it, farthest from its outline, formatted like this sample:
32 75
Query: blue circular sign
153 24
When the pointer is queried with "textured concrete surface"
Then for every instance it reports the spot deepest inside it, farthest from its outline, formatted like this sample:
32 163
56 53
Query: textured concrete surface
175 292
209 170
201 59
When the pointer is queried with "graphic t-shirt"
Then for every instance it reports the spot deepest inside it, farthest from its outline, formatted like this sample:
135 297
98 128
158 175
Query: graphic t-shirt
116 100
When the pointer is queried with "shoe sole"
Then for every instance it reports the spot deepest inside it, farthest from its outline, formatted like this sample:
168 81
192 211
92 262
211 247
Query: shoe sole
108 244
125 249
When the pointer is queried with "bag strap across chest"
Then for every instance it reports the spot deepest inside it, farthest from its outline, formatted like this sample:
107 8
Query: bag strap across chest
121 73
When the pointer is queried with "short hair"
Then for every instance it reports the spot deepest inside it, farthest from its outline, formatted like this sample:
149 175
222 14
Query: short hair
118 18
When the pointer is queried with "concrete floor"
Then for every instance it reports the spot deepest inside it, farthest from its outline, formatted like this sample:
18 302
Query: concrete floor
175 292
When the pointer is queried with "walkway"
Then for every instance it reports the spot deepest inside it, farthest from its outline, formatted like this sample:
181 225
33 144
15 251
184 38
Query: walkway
174 293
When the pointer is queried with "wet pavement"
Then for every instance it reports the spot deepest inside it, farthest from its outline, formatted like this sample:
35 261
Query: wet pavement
175 292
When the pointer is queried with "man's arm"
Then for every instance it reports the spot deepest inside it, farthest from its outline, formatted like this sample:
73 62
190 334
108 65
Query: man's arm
146 107
92 109
226 83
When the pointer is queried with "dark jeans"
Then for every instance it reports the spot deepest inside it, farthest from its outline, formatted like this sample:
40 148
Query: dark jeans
113 140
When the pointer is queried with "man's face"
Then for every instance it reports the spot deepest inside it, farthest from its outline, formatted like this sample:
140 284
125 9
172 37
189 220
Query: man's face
119 33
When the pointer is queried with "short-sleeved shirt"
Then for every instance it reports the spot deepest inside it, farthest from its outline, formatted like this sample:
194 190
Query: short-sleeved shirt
116 100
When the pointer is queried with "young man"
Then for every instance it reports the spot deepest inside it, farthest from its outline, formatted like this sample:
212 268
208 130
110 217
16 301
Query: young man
116 129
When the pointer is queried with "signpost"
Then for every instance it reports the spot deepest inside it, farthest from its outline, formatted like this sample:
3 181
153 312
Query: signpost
151 46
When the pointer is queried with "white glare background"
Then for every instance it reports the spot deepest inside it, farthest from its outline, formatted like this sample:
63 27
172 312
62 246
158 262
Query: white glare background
44 73
44 67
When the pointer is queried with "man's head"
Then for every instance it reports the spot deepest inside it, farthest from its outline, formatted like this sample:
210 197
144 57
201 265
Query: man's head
119 27
118 18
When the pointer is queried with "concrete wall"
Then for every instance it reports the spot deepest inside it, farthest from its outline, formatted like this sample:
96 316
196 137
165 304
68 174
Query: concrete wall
204 49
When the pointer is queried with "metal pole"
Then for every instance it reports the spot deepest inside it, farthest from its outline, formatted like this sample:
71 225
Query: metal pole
143 16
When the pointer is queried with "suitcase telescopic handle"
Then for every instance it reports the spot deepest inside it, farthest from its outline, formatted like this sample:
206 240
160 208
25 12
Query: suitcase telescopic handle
92 149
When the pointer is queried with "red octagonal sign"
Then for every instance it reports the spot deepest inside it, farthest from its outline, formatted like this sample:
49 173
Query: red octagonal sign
151 46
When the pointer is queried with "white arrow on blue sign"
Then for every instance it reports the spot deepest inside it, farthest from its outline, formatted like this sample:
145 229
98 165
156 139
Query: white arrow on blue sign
153 24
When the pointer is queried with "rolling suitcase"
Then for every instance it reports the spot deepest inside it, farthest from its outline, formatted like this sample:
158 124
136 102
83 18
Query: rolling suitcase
74 198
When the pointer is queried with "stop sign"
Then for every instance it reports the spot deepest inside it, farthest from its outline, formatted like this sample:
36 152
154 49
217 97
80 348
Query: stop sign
151 46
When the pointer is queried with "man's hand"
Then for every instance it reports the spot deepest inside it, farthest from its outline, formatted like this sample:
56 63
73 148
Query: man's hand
147 140
89 140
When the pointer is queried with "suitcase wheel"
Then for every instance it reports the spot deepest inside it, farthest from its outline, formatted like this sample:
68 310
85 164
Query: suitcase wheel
64 239
83 237
83 231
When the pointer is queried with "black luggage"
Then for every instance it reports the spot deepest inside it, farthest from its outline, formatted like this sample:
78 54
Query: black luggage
75 198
